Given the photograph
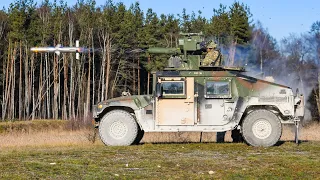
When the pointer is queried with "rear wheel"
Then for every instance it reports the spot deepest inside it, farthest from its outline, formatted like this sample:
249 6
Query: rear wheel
118 128
261 128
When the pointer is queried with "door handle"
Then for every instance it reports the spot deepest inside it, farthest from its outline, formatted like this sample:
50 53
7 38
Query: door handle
188 102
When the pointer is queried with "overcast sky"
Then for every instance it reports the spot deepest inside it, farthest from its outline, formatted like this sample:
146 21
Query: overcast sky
280 17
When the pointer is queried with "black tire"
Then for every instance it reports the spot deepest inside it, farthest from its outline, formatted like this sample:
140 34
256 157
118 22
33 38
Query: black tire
261 128
236 136
118 128
139 136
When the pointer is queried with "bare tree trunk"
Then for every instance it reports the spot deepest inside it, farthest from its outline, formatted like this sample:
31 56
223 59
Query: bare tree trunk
72 78
93 71
105 44
101 77
41 115
20 83
55 87
48 85
139 75
7 83
33 88
80 93
115 78
59 88
72 89
134 75
232 52
318 98
148 81
12 108
43 85
26 85
103 68
318 54
65 86
88 89
108 65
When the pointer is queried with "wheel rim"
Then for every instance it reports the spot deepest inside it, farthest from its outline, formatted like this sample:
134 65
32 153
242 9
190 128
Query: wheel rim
118 130
262 129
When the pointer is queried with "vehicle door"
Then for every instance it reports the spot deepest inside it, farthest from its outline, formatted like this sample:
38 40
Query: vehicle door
212 95
175 105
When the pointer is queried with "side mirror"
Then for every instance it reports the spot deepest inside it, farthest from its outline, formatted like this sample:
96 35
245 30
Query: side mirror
158 90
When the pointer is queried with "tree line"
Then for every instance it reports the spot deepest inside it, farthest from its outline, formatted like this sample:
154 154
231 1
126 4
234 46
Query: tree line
48 86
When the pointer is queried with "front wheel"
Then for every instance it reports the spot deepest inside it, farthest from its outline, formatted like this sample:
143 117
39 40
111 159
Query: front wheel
261 128
118 128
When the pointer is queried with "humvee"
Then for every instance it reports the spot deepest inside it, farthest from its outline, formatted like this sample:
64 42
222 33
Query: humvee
188 97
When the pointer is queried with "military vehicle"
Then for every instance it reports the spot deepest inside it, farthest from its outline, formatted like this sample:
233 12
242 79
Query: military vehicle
189 97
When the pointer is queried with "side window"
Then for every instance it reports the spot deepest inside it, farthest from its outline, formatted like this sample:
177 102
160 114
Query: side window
173 88
217 89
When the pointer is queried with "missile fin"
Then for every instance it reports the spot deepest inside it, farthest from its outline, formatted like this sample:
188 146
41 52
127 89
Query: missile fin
77 56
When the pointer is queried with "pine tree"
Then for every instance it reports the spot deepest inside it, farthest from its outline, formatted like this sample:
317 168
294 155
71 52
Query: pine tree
219 26
198 24
240 22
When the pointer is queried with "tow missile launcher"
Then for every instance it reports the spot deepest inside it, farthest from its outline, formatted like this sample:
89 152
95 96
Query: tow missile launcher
187 56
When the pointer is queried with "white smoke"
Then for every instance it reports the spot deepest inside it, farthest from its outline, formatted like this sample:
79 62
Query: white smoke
297 74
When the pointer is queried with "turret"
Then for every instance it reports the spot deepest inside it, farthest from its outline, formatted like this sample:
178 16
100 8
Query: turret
189 54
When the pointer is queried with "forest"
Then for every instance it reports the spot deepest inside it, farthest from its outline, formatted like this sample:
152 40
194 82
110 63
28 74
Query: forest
48 86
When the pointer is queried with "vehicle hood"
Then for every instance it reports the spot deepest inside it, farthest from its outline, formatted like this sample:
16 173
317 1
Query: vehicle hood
135 102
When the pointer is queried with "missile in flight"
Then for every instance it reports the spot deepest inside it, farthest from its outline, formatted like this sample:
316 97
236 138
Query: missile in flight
60 49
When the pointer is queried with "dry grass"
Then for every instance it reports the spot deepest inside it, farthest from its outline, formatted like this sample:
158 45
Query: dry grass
49 138
53 133
44 133
310 132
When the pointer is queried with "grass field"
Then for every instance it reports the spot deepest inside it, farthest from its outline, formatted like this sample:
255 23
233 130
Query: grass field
162 161
58 153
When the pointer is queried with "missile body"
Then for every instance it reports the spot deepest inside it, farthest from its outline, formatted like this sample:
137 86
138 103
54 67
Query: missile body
59 49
